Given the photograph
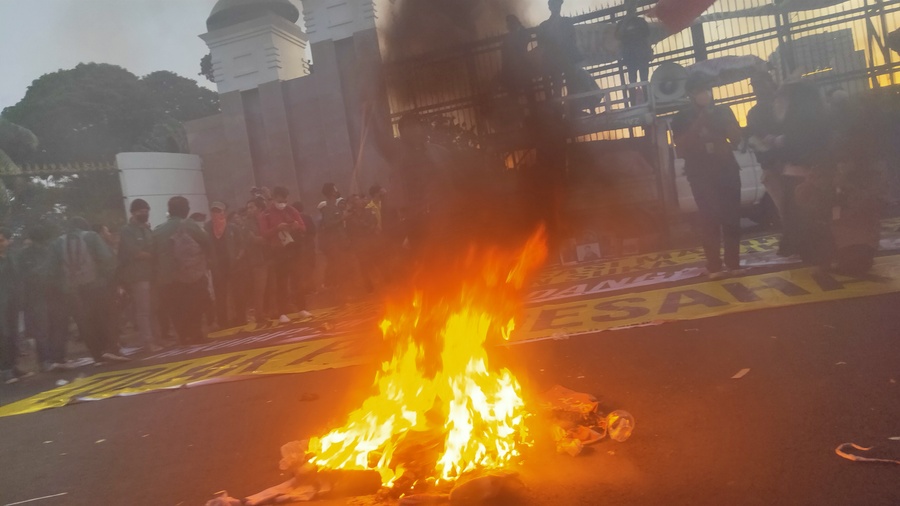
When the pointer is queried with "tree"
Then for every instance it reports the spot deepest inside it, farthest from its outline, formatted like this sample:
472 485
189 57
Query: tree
94 111
206 68
89 114
16 142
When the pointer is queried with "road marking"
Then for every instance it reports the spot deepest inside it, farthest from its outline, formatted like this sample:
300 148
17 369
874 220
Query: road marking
37 499
740 374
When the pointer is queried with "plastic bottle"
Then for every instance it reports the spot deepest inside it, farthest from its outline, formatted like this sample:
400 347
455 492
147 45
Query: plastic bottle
620 425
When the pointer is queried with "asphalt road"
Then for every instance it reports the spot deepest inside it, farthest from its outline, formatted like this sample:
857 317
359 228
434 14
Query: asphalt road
820 375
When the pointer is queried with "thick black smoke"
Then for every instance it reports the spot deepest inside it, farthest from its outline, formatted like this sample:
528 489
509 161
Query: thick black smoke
419 26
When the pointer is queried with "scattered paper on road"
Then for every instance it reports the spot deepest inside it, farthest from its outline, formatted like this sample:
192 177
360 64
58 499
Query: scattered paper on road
740 374
842 451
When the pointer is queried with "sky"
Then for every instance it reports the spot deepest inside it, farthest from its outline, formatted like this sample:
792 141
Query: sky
42 36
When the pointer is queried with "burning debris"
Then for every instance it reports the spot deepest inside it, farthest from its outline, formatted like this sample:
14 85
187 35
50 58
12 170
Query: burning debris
442 425
577 421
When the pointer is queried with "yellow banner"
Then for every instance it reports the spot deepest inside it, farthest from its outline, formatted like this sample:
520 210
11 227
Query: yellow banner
641 263
591 313
291 358
710 298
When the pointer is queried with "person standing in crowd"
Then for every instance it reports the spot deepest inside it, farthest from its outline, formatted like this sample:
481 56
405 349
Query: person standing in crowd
803 147
705 135
82 269
333 240
226 248
762 126
33 260
182 250
307 251
280 224
633 34
255 255
136 262
362 229
375 205
10 301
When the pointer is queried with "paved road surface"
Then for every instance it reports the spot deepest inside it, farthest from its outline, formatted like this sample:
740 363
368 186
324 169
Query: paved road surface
701 438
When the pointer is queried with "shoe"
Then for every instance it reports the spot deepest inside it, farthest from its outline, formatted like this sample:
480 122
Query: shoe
284 319
58 366
115 358
305 315
715 276
154 348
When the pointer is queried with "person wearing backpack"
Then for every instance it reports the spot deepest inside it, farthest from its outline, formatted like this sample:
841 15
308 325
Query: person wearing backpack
81 268
136 271
181 250
35 289
10 302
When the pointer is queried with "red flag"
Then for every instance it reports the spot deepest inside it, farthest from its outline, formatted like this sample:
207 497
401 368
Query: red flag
677 15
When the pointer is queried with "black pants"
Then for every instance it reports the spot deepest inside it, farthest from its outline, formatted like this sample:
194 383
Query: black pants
89 306
183 304
221 282
282 275
9 351
718 198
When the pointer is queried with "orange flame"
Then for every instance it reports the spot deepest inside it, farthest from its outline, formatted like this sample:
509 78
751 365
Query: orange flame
438 379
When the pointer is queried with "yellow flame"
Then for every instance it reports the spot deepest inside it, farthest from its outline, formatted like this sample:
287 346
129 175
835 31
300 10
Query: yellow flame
438 378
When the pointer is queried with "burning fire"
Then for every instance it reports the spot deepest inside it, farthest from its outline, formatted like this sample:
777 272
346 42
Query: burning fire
439 410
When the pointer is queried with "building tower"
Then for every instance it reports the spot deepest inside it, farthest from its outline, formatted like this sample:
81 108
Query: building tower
285 120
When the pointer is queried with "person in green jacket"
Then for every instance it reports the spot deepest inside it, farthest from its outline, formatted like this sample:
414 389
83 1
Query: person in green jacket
81 269
182 252
10 302
35 289
136 250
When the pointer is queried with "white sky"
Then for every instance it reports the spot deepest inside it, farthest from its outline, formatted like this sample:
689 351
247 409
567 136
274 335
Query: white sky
41 36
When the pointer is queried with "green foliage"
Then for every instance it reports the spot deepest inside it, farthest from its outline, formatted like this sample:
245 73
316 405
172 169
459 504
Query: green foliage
89 114
206 68
94 111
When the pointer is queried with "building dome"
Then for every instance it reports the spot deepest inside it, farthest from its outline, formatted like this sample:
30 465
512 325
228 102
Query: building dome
231 12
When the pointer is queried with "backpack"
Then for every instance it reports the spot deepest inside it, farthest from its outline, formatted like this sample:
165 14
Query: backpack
190 260
79 265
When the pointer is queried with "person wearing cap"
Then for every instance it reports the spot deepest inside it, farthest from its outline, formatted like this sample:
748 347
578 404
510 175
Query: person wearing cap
136 261
226 248
705 136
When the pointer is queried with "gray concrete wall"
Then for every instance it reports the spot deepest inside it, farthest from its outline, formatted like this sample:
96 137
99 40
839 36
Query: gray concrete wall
300 133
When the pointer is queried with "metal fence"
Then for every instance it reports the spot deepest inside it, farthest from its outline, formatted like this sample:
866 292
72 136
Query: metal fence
838 46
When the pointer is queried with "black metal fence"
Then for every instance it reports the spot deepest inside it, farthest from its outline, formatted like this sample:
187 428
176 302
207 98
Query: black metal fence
841 46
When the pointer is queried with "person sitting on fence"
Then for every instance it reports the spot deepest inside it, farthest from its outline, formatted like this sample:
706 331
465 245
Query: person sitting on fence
633 34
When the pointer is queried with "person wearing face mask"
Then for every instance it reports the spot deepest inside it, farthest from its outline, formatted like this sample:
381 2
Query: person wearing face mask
281 225
705 135
135 269
226 247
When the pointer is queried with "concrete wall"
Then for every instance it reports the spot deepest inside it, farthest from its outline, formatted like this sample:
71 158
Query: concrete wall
156 177
299 133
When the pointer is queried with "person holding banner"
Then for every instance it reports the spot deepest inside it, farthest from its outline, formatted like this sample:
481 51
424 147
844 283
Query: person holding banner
705 135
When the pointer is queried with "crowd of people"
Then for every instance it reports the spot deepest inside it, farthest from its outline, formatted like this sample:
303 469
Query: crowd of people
182 278
824 162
